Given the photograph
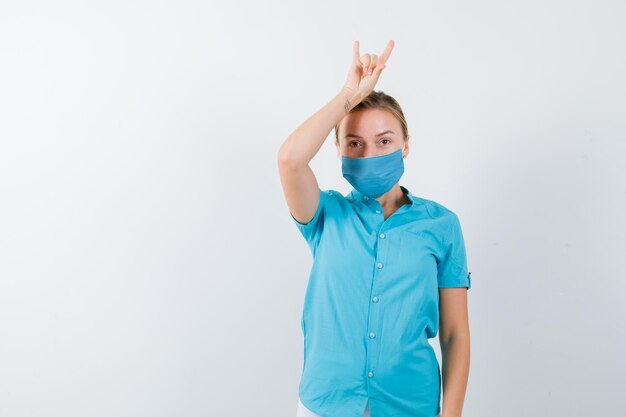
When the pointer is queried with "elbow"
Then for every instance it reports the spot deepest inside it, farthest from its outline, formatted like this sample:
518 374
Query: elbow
286 160
454 337
282 157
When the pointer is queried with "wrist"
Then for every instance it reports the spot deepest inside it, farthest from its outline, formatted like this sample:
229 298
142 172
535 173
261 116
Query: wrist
350 97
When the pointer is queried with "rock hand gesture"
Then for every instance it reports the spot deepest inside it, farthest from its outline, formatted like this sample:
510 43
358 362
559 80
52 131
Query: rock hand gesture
364 72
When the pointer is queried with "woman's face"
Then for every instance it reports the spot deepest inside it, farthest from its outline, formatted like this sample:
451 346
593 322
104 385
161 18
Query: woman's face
370 132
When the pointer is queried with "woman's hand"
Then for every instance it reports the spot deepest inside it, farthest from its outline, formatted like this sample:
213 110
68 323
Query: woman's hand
364 72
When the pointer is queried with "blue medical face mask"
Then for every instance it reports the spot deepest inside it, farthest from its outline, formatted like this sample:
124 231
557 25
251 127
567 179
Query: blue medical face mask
375 175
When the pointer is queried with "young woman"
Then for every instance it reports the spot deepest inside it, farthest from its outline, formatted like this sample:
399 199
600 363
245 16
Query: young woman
389 268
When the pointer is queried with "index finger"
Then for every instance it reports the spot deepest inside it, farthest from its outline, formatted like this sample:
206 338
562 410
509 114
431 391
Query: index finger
386 53
356 56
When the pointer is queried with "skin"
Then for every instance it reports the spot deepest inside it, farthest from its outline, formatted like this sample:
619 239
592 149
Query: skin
301 192
360 137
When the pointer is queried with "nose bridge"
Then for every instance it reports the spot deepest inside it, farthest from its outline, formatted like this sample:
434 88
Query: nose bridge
370 150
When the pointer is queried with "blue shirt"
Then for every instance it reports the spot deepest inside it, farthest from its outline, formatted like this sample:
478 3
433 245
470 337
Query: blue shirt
372 303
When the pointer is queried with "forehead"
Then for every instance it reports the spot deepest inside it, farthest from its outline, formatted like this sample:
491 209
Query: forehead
369 122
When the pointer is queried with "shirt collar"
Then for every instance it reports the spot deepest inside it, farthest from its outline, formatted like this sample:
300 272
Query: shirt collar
358 196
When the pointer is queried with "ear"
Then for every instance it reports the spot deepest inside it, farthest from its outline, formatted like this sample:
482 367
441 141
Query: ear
405 149
338 151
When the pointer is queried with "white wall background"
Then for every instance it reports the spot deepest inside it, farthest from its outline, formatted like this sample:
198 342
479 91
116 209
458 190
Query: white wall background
149 265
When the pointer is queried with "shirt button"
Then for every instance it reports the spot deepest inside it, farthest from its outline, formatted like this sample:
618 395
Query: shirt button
375 299
378 211
365 197
382 235
372 335
379 265
370 374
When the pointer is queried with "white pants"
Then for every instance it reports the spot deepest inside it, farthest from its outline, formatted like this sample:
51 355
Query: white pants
305 412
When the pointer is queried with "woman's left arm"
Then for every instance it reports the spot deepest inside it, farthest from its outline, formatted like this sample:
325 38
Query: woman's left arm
454 339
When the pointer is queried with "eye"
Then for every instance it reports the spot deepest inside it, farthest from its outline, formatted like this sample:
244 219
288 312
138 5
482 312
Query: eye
388 140
353 142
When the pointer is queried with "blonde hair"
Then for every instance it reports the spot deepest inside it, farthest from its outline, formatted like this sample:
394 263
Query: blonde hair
379 100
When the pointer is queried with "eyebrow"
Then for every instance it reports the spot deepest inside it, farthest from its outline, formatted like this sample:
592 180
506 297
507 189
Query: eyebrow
352 135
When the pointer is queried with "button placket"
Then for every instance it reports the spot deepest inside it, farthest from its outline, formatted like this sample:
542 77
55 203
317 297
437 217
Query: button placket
373 334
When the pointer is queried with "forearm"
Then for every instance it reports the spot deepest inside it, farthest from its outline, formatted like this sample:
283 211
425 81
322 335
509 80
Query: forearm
304 142
455 372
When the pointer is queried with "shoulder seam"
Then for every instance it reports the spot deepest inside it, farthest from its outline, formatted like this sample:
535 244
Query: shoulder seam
427 204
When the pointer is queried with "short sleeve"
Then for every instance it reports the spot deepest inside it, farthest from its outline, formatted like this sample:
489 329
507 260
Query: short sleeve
452 269
312 231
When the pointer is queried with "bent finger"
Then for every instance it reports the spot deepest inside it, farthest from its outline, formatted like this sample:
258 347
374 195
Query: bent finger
373 62
365 61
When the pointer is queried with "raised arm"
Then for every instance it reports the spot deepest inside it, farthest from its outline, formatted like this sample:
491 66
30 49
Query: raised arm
297 178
